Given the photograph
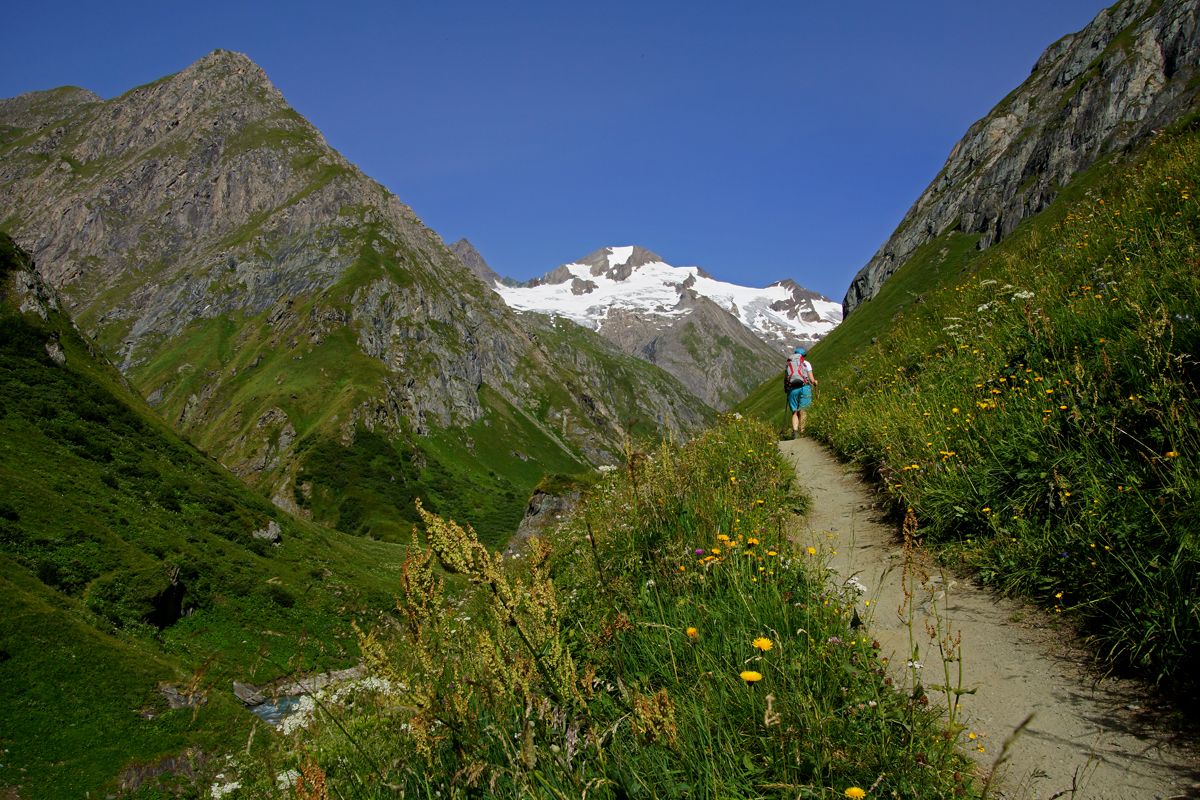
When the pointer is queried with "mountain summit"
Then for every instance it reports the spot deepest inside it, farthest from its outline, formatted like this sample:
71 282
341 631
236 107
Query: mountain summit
632 278
720 339
296 319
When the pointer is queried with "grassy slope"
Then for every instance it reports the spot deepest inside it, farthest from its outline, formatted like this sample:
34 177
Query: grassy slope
667 642
101 507
1036 404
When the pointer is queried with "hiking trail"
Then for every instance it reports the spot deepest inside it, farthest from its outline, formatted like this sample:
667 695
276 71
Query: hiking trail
1089 737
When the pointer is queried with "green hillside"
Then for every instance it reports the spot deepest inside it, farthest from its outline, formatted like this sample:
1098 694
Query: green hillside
128 560
1036 403
666 642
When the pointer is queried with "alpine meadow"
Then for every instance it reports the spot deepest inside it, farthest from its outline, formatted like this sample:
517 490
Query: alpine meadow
297 501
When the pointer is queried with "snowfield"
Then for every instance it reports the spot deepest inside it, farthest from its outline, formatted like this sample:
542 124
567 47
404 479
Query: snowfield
656 288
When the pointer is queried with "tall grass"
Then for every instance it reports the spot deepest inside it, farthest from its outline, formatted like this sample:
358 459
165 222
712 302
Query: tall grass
1039 409
668 642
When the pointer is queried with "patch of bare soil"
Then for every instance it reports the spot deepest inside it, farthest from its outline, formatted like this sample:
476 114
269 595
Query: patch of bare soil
1086 736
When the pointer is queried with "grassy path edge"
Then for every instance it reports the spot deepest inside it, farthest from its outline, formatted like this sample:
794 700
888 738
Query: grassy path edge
1092 734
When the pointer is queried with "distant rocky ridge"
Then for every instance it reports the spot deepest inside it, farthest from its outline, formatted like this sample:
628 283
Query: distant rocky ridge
719 339
261 291
1132 70
472 260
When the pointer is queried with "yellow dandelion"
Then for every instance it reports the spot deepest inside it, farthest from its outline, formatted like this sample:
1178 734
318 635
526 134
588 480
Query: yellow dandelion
752 540
855 793
1170 454
722 538
750 676
812 551
772 553
693 633
762 643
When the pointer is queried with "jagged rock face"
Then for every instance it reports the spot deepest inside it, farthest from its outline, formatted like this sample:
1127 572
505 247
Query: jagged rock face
708 350
215 246
204 195
1132 70
472 260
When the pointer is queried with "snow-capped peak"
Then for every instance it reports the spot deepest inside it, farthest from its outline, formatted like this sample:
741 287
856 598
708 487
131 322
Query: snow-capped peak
633 279
617 256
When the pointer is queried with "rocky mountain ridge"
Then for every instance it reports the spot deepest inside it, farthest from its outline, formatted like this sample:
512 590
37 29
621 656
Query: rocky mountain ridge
1097 92
475 262
263 293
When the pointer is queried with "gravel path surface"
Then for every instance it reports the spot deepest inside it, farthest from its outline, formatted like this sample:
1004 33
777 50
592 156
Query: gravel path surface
1088 737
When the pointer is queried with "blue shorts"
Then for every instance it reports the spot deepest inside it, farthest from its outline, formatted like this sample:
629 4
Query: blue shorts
800 397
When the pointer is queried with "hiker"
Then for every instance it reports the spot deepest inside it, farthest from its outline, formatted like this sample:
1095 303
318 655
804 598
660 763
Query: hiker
798 383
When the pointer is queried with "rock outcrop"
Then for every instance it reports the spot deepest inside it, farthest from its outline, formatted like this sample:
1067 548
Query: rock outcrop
707 349
1133 70
472 260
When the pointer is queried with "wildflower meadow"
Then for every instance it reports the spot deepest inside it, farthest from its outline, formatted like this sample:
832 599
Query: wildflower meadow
1037 408
668 641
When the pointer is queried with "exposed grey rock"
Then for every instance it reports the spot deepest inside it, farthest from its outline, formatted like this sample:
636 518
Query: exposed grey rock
544 511
472 260
33 296
708 350
271 533
599 262
41 109
1099 91
314 683
266 443
55 351
180 698
182 768
249 695
580 286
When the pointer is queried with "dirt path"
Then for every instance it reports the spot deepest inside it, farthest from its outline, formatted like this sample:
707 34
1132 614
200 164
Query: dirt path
1095 737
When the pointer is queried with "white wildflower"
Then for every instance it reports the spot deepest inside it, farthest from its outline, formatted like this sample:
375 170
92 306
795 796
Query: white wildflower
287 779
306 708
219 790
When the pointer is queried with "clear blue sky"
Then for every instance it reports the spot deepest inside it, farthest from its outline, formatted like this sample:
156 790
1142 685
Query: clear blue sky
759 140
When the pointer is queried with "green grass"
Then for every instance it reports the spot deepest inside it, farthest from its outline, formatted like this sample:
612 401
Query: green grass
1038 407
572 669
127 559
481 476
